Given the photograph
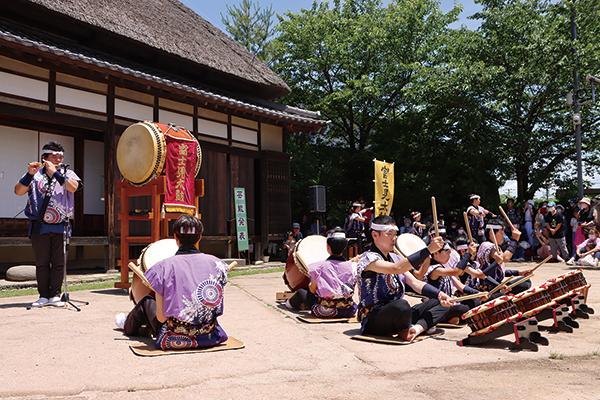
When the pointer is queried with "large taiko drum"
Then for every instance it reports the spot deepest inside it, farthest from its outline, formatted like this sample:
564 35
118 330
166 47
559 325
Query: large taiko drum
407 244
142 149
307 251
490 316
152 254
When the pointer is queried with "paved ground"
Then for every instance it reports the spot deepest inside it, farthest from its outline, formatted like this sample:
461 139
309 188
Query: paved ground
62 354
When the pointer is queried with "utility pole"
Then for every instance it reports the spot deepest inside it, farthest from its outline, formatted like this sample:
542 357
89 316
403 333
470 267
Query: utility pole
576 103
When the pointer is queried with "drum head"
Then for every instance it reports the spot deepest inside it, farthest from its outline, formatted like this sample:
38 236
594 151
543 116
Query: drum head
141 152
156 252
407 244
310 250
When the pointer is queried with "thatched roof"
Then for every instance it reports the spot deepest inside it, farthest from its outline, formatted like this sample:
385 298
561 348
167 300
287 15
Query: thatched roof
171 27
295 119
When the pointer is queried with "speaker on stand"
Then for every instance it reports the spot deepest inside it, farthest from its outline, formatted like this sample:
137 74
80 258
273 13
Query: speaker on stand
317 202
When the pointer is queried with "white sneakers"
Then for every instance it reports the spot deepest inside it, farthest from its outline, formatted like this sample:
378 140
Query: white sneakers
120 320
571 261
52 301
41 302
55 301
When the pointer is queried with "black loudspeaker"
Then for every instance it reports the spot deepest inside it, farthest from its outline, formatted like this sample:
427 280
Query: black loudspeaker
318 202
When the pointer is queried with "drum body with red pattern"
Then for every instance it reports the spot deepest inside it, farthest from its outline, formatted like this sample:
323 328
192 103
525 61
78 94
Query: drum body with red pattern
490 316
574 280
532 301
557 288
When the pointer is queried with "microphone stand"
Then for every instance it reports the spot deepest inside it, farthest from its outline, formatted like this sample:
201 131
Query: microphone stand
65 296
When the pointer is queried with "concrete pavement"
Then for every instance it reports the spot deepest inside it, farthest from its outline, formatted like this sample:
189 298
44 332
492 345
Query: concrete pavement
58 353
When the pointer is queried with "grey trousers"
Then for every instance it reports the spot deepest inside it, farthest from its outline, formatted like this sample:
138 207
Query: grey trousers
557 245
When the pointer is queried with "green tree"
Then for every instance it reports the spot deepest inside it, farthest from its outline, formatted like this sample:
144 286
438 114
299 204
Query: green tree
251 26
353 60
518 67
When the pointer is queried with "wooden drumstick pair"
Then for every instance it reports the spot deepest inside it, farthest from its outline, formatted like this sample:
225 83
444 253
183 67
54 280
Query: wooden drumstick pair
521 280
470 296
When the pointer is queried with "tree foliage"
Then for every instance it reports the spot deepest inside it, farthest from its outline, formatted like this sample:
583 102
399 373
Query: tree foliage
458 110
251 26
518 68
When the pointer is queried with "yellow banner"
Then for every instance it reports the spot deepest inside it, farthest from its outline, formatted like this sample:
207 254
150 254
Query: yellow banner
384 187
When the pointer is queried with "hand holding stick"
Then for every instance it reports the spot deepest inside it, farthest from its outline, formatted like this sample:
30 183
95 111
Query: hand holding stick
508 221
468 227
470 296
500 286
435 220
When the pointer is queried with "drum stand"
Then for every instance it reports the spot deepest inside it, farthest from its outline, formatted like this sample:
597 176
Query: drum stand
526 333
563 316
65 296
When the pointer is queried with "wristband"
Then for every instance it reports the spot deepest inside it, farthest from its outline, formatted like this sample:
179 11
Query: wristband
60 178
416 259
464 261
430 291
26 179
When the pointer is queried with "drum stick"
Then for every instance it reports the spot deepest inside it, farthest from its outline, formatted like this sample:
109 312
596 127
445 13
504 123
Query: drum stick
140 274
470 296
544 261
500 286
512 227
468 227
519 281
495 240
435 219
232 266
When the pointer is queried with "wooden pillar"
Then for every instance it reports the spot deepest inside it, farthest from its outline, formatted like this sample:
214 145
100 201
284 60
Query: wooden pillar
110 180
78 229
263 201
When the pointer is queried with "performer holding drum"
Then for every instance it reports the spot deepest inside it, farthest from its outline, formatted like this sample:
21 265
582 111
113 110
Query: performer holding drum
188 295
382 279
331 285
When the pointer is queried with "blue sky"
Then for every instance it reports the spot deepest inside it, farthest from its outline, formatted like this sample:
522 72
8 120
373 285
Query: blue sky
211 10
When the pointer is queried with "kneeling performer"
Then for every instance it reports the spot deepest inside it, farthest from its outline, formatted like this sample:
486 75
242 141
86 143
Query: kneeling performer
382 279
331 283
188 296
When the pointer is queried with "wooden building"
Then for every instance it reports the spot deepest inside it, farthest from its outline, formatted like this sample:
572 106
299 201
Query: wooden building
81 71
